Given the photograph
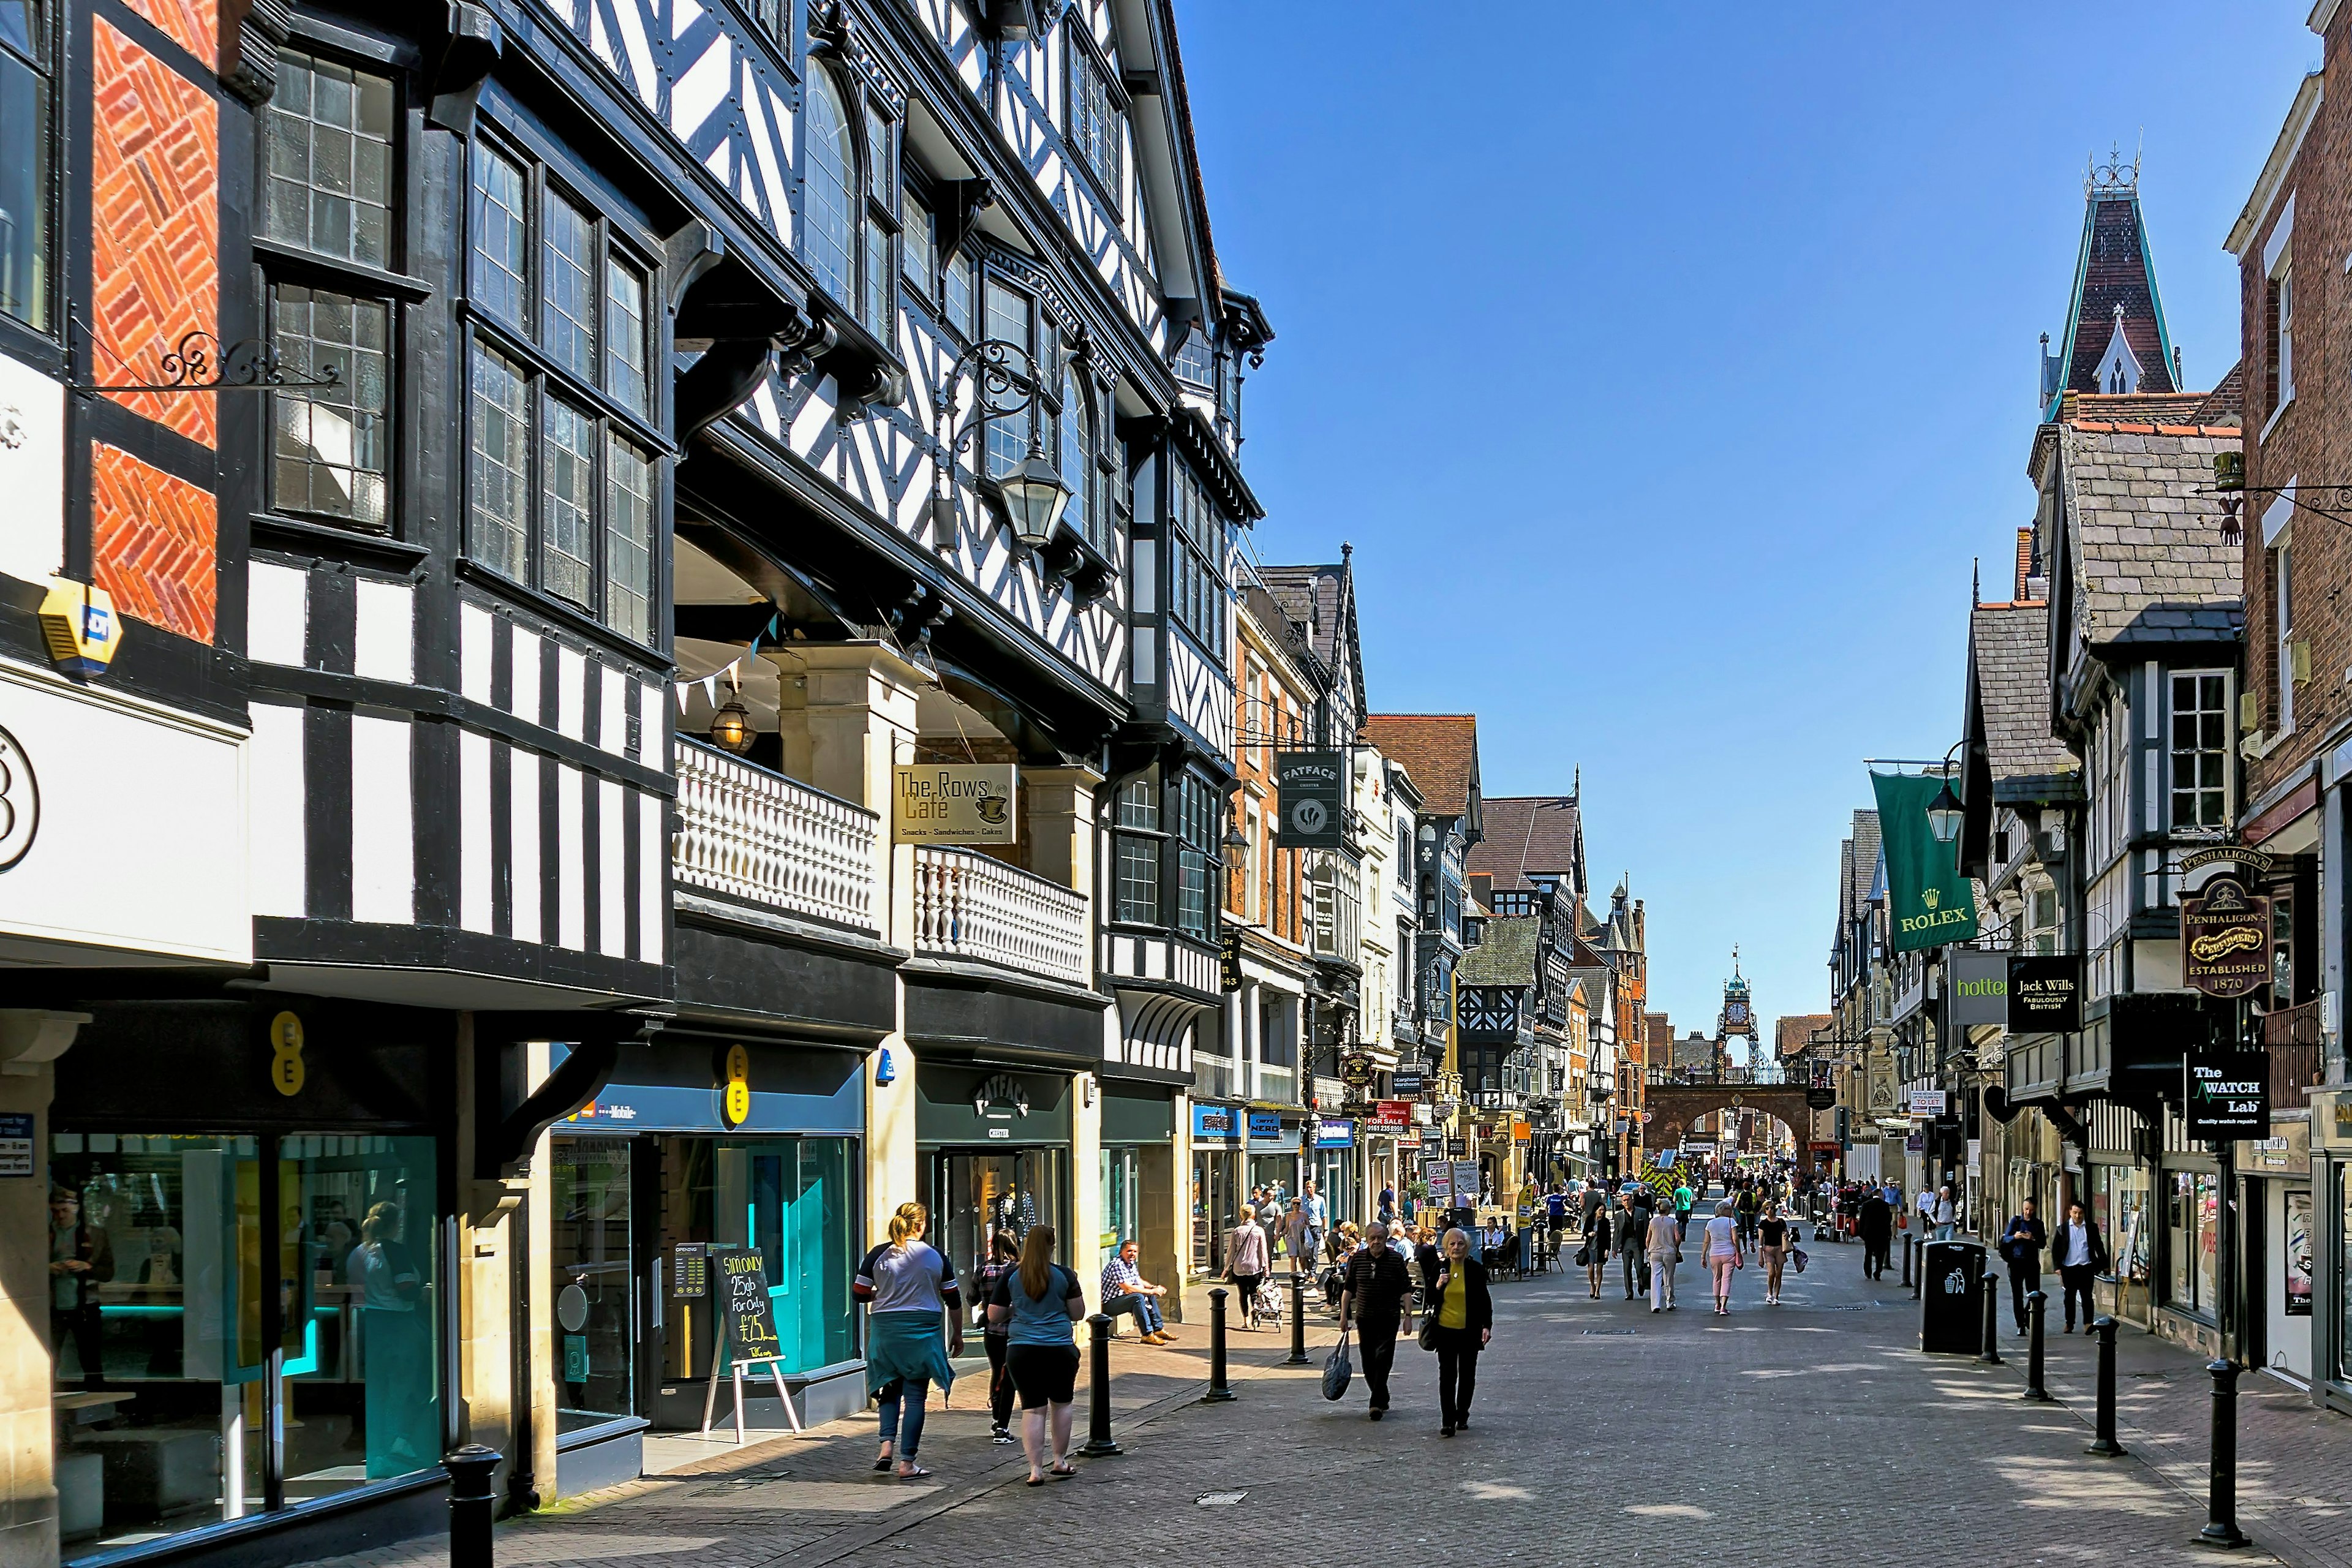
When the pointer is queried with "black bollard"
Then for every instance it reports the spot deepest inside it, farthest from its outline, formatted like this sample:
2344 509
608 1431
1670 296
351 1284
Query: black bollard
472 1503
2105 1444
1907 1260
1218 1390
1297 1356
2036 1303
1099 1391
2222 1472
1991 1354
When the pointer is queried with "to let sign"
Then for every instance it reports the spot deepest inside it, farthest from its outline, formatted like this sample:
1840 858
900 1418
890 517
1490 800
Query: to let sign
2045 994
2227 1094
2225 940
952 803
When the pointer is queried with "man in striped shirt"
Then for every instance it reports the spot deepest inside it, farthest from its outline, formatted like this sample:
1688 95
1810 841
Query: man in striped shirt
1125 1289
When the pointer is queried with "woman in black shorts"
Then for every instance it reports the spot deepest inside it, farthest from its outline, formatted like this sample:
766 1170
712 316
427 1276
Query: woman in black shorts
1773 1247
1035 1307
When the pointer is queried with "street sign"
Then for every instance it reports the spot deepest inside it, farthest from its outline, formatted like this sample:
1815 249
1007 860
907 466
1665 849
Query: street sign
952 803
1356 1069
2045 994
1979 983
2225 940
1439 1176
1456 1147
1312 787
2227 1094
1229 962
1465 1181
1927 1102
1406 1083
1820 1098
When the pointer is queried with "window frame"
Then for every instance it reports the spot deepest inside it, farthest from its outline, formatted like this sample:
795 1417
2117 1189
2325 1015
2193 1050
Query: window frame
1187 553
2282 650
286 264
1144 839
1082 54
45 59
874 280
2174 751
617 237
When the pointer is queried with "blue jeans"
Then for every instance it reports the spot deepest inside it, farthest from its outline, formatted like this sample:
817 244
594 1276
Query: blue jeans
1943 1233
1146 1310
902 1414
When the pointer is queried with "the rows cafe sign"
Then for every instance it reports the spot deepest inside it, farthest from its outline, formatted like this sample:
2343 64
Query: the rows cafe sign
952 803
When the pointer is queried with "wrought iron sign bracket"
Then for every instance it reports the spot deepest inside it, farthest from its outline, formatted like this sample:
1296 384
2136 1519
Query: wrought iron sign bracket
199 363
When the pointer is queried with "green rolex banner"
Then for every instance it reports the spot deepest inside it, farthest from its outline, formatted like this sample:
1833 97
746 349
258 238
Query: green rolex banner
1929 903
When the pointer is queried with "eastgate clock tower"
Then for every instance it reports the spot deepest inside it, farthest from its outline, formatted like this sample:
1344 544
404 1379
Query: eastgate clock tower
1739 1015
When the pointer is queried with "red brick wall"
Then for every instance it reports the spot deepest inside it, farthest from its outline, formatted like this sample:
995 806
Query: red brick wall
153 539
154 166
2309 443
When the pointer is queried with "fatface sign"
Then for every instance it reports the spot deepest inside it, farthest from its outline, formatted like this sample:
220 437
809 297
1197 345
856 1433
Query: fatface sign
952 803
2227 1094
1314 806
2225 940
2045 994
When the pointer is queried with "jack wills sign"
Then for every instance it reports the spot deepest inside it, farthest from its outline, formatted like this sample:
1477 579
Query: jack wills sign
2225 940
2045 994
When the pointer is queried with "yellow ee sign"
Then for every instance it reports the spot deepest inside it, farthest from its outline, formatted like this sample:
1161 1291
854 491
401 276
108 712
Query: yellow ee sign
735 1102
286 1070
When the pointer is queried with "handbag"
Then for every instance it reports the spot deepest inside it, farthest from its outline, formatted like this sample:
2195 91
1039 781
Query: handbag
1584 1256
1797 1257
1428 1335
1337 1370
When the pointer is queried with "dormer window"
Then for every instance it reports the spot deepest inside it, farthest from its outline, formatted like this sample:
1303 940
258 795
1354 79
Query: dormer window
2118 367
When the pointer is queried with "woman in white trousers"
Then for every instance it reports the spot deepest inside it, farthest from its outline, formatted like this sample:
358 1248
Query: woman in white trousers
1665 1249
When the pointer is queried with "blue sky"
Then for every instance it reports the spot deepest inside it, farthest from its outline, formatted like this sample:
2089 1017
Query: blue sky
1667 366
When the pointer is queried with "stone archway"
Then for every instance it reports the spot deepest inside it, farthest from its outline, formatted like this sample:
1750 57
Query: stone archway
1673 1107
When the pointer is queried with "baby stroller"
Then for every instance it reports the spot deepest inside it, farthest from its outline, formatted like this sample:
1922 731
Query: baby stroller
1265 1307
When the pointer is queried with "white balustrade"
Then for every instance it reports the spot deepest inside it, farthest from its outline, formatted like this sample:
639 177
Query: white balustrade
970 906
756 836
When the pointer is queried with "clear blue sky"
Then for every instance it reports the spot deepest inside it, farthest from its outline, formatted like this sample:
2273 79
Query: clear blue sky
1668 364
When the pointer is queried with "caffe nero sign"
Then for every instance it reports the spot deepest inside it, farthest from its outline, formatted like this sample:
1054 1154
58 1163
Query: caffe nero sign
2045 994
1314 807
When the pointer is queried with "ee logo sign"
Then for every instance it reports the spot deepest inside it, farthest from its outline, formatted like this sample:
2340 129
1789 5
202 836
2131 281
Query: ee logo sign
286 1070
1308 816
735 1106
20 802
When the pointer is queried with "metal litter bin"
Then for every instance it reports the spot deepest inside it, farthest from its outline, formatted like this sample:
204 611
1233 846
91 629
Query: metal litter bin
1951 1305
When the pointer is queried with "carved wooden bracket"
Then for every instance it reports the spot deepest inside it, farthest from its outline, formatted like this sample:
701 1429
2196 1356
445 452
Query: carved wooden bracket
474 43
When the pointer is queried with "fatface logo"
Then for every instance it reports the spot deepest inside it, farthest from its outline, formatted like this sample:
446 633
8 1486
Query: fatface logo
20 802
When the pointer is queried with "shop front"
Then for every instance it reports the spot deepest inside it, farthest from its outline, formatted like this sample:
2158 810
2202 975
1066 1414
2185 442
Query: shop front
995 1146
1218 1192
251 1242
2277 1237
666 1168
1332 1168
1275 1164
2331 1189
2189 1273
2118 1202
1139 1175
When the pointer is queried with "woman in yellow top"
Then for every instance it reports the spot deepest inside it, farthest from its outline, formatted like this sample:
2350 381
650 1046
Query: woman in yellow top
1465 1321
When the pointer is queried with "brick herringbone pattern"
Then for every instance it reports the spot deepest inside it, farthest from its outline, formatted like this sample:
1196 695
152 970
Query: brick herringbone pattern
193 25
155 221
153 537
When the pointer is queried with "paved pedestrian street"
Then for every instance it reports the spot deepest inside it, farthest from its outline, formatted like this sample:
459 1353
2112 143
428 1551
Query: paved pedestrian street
1602 1433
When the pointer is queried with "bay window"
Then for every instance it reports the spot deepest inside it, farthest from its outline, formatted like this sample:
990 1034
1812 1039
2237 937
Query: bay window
562 484
1196 583
1094 127
850 211
1138 851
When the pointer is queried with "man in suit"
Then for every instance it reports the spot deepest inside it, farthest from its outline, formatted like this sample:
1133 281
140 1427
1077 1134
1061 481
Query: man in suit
2080 1253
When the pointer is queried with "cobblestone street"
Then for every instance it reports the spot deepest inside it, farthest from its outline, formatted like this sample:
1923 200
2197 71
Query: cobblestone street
1602 1433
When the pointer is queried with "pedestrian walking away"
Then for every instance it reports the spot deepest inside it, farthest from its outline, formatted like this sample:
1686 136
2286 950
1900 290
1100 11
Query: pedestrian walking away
1875 1226
909 1290
1375 1289
1665 1249
1772 1250
1633 1241
2081 1254
1723 1255
1465 1323
1004 1255
1684 1198
1247 1263
1039 1305
2021 1248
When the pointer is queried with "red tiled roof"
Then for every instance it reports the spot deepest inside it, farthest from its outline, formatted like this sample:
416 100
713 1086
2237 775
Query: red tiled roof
1438 749
2120 427
1795 1032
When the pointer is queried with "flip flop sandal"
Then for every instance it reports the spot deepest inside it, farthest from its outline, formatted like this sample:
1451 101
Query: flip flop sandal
883 1463
1035 1481
916 1474
1062 1471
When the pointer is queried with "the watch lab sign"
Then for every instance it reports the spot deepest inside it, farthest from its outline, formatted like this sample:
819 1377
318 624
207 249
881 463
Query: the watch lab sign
1314 807
2227 1094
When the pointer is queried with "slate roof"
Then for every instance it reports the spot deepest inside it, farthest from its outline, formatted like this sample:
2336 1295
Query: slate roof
1438 749
2010 645
1862 866
1692 1050
1321 600
2144 542
2113 270
1506 954
1543 834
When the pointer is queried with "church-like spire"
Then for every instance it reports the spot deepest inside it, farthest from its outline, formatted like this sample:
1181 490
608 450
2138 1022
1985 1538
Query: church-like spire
2116 338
